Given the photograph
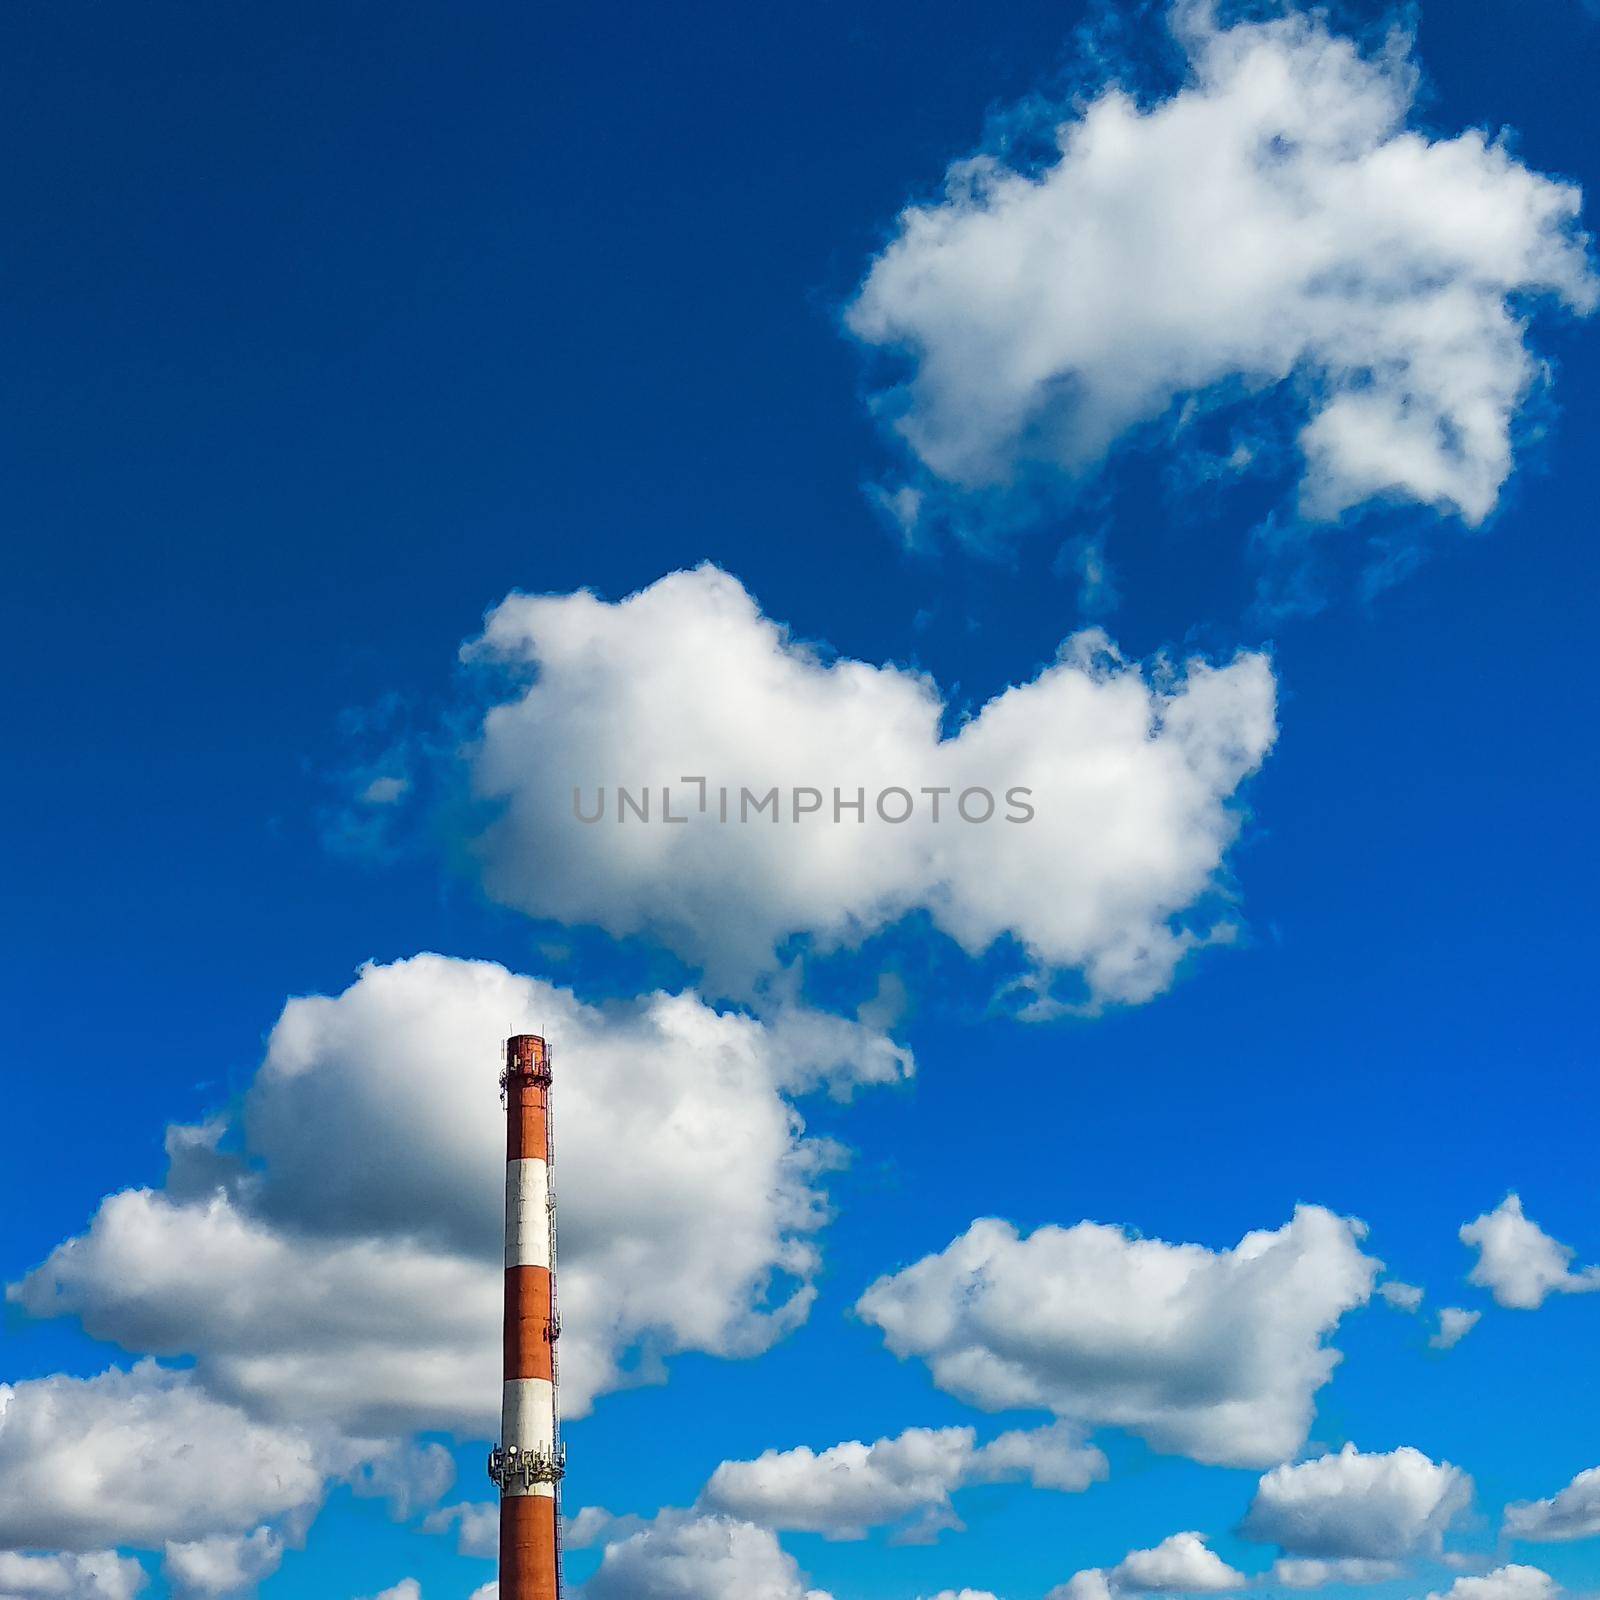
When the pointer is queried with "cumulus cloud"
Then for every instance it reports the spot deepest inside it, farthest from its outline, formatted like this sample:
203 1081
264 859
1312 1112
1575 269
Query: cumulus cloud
1181 1564
342 1233
1572 1514
1273 223
683 1556
289 1325
223 1564
143 1457
1132 773
406 1589
1350 1516
848 1488
1213 1354
360 1240
101 1575
1519 1263
1504 1583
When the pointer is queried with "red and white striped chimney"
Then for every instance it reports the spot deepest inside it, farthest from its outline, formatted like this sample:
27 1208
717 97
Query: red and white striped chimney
529 1461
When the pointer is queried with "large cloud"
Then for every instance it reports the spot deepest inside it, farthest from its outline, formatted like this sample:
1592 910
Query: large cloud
1519 1263
358 1243
848 1488
1212 1354
293 1326
143 1457
1355 1517
1131 771
1272 222
1572 1514
682 1556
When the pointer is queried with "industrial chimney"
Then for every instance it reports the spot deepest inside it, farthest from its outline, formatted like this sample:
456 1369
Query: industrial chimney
529 1461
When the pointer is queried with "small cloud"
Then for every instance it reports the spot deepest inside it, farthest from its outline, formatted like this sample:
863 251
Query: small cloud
478 1525
385 791
1402 1296
1351 1517
901 507
1572 1514
904 1483
1180 1564
1085 558
1310 1572
1504 1583
1519 1263
595 1527
1454 1325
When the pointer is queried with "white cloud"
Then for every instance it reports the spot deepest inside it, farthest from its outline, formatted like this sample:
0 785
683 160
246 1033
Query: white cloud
1355 1507
1212 1354
1519 1263
409 1477
1049 1458
406 1589
1454 1325
143 1457
848 1488
1310 1572
1132 772
1402 1296
477 1524
1090 1584
222 1564
363 1243
1272 222
594 1526
1572 1514
964 1594
100 1575
681 1556
293 1326
1504 1583
1181 1564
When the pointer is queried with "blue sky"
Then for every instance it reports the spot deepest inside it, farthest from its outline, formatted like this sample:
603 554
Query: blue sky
332 327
